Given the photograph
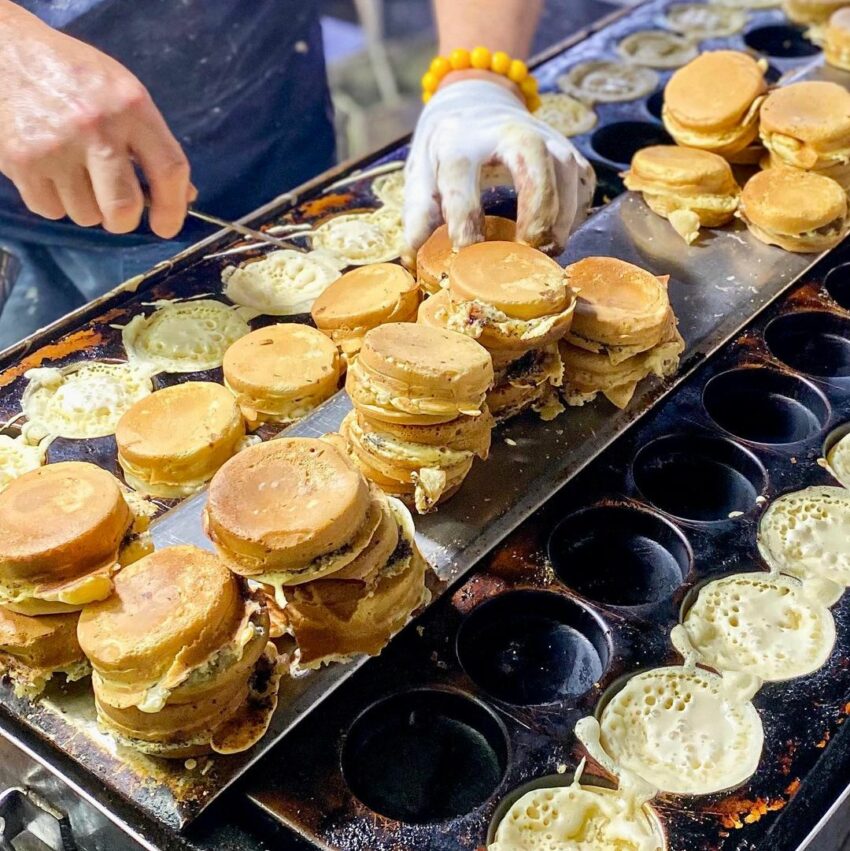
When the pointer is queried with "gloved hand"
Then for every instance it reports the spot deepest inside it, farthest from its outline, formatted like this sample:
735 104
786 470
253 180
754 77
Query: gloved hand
471 123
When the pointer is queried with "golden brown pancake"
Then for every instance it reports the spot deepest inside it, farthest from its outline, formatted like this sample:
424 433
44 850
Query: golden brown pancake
712 103
403 466
619 304
174 651
61 529
437 253
797 210
361 300
810 11
807 125
689 187
289 510
419 375
171 442
280 373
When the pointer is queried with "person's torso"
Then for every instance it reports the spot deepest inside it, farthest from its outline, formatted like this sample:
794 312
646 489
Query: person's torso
240 82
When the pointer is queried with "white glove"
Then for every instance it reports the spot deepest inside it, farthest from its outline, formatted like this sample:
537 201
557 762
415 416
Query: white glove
473 123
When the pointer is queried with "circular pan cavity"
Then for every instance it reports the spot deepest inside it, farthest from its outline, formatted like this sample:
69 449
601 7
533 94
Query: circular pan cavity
609 184
837 284
532 647
619 555
425 755
655 104
782 41
815 342
698 478
765 406
620 141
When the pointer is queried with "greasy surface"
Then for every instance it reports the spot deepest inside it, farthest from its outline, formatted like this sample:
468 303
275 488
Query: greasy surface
742 277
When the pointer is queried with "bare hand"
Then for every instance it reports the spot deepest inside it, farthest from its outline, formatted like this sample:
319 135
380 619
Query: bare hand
74 123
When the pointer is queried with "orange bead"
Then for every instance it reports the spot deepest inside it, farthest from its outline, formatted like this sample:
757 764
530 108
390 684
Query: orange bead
430 81
480 58
459 59
518 71
500 62
534 103
440 66
529 86
426 96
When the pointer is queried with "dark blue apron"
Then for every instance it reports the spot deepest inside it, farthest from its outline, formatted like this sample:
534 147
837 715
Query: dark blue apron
241 83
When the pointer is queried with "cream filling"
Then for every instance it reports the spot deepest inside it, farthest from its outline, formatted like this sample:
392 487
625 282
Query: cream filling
402 451
154 697
280 408
803 154
474 317
695 138
372 393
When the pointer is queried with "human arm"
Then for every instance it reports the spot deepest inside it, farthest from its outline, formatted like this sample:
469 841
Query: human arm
478 118
74 124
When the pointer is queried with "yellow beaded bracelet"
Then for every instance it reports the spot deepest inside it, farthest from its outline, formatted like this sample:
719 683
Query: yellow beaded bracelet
481 59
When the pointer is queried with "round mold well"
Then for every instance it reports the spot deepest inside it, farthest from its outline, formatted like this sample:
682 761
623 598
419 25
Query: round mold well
619 555
763 405
814 341
655 103
609 184
529 648
837 284
698 478
425 755
620 141
783 41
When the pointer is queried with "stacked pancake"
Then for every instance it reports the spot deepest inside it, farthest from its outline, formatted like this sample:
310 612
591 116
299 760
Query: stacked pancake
171 442
836 39
624 330
64 530
362 299
807 126
180 655
688 187
281 373
337 556
515 301
797 210
437 253
713 102
419 415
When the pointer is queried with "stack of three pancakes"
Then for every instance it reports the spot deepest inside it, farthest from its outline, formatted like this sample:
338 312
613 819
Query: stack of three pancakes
514 300
334 557
420 416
